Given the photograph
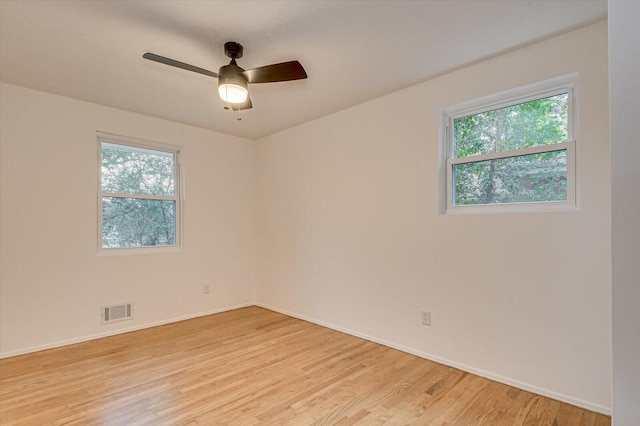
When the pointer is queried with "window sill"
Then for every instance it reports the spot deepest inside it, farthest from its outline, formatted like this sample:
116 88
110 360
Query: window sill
548 207
137 250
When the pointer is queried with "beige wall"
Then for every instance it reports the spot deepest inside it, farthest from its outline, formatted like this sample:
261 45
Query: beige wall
52 281
349 234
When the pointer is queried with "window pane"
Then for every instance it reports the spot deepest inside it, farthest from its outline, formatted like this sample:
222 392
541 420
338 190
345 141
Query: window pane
526 178
131 170
535 123
134 222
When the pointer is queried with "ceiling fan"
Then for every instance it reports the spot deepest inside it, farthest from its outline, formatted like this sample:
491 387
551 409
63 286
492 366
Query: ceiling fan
233 80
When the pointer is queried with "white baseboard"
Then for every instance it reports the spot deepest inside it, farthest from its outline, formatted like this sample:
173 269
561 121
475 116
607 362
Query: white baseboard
120 331
520 385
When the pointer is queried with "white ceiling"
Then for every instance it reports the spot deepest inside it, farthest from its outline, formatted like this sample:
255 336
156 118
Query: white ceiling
353 51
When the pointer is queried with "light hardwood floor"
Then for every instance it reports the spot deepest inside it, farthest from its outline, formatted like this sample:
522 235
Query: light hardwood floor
253 366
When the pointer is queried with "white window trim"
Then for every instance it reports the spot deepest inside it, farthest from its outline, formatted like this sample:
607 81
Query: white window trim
565 84
178 197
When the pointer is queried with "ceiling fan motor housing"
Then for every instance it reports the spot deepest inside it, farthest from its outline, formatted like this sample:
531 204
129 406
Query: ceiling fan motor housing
232 83
232 74
231 70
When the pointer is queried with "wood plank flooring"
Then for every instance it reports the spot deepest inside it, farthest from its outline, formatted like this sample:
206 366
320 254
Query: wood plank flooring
252 366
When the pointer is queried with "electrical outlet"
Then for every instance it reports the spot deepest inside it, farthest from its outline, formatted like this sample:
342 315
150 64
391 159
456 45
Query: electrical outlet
426 318
206 289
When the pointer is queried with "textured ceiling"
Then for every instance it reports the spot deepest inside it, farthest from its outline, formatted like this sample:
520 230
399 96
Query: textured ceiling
353 51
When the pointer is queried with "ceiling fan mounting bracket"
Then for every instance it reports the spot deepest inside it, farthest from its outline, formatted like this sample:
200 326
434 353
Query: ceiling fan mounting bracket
233 50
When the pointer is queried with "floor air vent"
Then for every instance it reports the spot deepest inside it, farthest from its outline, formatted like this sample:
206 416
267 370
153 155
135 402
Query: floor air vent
119 312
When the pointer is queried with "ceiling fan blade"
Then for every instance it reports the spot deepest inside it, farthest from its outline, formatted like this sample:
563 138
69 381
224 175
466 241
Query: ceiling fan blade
178 64
245 105
284 71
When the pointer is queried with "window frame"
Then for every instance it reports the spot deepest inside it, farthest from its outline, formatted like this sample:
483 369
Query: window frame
178 197
566 84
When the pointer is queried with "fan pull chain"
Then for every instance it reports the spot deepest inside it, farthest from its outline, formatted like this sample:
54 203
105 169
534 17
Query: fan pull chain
230 106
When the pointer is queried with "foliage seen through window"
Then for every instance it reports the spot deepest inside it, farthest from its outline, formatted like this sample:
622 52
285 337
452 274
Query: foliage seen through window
509 176
139 202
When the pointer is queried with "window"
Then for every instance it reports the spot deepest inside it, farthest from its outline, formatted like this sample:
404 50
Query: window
514 151
139 195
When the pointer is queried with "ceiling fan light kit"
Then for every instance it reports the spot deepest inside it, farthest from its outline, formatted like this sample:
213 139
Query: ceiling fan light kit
233 81
233 90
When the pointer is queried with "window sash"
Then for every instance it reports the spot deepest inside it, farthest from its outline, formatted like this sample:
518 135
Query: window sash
569 90
478 106
520 206
141 148
511 153
566 84
136 145
139 196
138 148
